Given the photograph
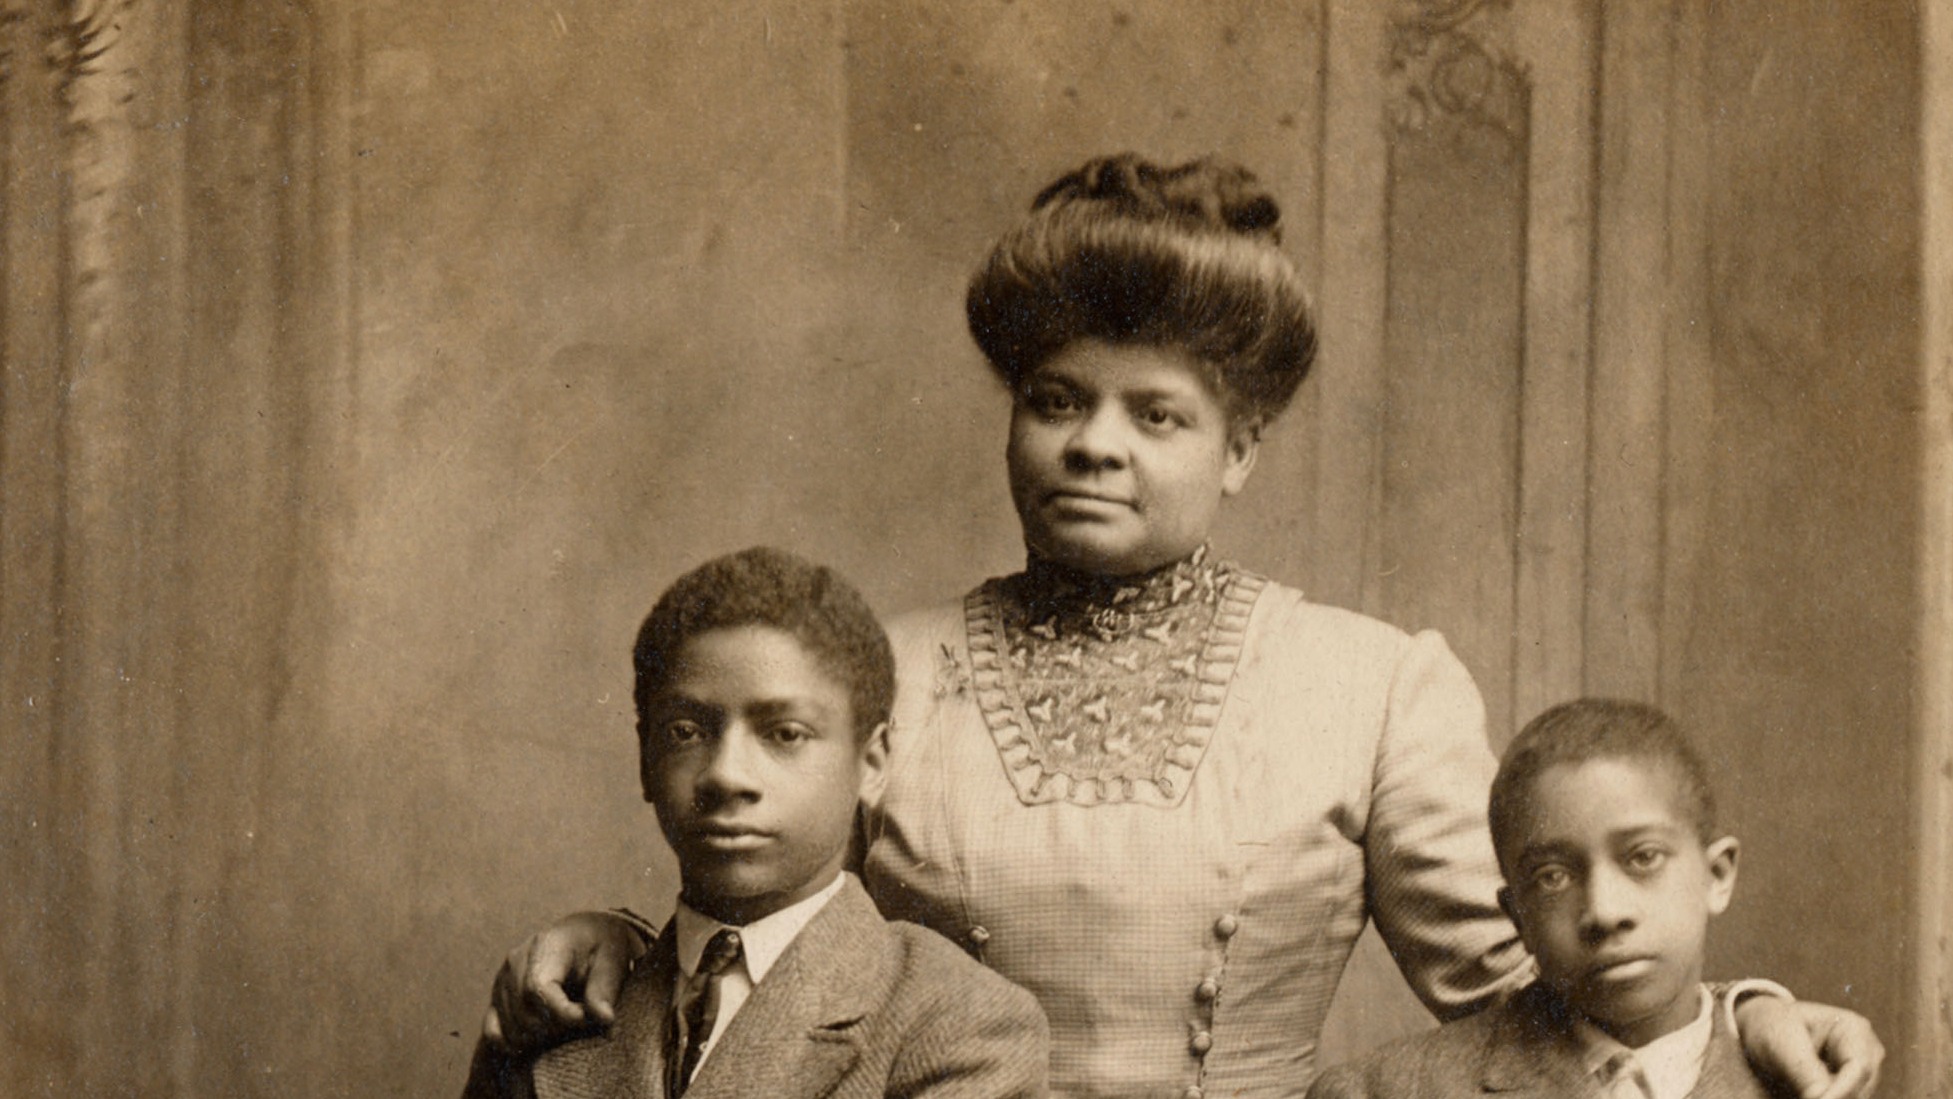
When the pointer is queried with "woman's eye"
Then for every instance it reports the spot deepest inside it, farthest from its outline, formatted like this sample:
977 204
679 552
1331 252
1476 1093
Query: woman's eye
1158 417
1051 402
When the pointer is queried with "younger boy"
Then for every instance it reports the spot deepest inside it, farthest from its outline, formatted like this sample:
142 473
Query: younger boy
763 686
1604 827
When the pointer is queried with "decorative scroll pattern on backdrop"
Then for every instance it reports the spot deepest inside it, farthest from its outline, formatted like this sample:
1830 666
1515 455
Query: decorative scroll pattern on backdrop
1453 66
94 54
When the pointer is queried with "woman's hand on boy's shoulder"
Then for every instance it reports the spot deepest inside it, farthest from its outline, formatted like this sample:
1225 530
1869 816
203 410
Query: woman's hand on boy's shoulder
1822 1052
563 981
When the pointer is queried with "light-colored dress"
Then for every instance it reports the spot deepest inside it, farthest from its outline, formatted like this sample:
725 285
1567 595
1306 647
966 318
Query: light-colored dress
1167 806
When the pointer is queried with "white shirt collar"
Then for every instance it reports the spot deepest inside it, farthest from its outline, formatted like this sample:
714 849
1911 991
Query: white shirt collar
761 942
1671 1063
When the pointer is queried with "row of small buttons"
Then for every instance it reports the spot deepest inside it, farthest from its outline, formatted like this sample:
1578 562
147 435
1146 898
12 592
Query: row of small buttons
1207 991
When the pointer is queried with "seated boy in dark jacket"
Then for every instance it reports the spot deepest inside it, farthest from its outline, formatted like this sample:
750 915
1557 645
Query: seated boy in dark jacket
763 691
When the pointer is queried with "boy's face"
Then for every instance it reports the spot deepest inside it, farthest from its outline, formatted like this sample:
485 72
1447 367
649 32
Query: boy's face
750 758
1612 891
1119 457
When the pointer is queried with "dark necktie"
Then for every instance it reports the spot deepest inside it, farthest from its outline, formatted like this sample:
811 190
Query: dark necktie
696 1011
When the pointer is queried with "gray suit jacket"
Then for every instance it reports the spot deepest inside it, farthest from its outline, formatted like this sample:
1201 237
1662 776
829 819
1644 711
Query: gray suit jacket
1524 1048
857 1008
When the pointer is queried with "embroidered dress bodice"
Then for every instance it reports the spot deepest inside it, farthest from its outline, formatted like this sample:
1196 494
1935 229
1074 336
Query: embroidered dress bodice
1168 806
1107 690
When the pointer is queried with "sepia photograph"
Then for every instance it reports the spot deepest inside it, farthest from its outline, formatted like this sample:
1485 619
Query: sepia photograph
1361 549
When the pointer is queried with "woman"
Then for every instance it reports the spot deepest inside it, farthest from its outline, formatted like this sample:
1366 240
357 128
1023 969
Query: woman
1158 790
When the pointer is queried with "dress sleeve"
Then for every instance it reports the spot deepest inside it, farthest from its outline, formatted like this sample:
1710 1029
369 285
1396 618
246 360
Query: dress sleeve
1431 879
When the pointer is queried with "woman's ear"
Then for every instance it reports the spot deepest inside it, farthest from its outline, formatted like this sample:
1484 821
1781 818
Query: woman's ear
1243 444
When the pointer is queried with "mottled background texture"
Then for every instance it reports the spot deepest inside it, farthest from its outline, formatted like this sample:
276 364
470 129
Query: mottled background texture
370 365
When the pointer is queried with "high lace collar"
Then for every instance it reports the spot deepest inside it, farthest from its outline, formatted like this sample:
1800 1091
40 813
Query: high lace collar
1104 689
1048 587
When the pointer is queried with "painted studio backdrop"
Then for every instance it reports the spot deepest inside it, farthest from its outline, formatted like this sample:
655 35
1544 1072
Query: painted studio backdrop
369 366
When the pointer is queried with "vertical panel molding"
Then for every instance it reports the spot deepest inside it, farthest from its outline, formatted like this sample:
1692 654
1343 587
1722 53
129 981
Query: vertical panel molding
1930 1058
1623 616
1350 388
1557 39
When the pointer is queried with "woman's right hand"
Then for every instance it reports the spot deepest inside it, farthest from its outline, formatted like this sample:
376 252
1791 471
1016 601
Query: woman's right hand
562 982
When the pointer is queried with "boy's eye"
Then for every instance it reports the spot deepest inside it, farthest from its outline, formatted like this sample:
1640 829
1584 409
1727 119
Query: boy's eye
789 734
1645 859
682 731
1551 879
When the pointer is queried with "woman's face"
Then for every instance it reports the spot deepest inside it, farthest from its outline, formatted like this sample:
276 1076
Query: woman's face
1119 457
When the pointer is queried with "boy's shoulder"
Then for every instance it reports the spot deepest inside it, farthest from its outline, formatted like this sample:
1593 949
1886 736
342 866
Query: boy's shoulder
1436 1064
922 1016
928 980
1525 1045
858 1006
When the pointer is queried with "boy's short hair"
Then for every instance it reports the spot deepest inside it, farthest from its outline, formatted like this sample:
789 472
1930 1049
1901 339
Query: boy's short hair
763 586
1599 728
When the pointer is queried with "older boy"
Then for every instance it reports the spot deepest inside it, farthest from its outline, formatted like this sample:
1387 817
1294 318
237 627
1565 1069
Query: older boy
1604 827
763 691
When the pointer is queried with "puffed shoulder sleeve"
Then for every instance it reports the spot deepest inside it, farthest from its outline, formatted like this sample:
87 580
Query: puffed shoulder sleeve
1431 879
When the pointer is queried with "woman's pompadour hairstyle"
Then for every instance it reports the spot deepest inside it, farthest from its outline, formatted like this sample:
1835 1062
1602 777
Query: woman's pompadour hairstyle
1129 252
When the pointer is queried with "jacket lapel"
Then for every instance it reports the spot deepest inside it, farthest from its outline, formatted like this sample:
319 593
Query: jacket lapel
1726 1072
1531 1049
629 1059
802 1028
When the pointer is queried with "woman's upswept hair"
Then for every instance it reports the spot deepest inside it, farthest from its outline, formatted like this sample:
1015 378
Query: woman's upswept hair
1129 252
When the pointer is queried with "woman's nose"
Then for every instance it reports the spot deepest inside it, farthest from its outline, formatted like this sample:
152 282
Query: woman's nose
1096 442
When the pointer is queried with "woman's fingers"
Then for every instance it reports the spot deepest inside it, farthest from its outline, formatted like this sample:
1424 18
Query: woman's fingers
1850 1049
602 983
562 981
529 1003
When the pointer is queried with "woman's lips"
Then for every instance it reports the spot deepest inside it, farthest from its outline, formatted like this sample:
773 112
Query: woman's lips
1077 498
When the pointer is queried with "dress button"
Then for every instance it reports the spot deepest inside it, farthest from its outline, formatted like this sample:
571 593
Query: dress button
1202 1042
1207 990
1193 1092
1226 926
979 935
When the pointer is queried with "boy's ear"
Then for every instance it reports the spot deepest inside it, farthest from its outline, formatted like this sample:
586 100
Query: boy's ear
643 761
872 758
1505 904
1722 873
1243 444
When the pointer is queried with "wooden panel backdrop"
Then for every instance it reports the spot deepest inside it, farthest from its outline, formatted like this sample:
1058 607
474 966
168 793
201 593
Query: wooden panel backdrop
370 364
